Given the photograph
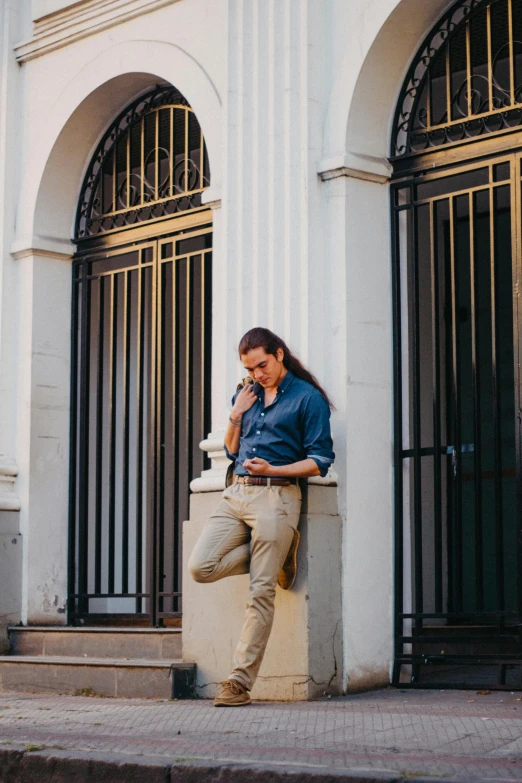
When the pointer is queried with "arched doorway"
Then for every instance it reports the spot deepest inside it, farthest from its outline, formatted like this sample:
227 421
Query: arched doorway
457 267
140 361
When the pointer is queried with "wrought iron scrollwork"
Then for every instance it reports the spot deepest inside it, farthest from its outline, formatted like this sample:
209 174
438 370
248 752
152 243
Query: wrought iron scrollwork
151 163
466 80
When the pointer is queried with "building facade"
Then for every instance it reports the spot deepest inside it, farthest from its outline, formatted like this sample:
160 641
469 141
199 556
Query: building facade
174 172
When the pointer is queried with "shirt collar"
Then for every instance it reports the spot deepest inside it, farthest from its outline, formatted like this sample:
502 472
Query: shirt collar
285 383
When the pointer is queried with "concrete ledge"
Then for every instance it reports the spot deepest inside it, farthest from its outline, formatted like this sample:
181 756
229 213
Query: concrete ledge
20 765
102 677
303 659
357 165
129 643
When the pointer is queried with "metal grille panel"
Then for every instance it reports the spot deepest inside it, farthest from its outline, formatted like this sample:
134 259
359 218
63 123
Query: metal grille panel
151 164
457 262
141 376
466 80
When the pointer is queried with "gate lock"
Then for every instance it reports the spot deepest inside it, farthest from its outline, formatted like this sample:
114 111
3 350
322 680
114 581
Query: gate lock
466 448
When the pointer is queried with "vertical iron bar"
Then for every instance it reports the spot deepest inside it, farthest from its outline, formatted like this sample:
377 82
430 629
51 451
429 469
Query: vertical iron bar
201 159
114 175
83 519
203 346
175 408
457 439
517 331
416 416
477 413
490 57
128 168
72 608
127 292
511 54
153 451
112 427
99 444
397 445
468 65
437 478
499 533
171 157
429 120
448 81
189 355
160 431
188 366
102 190
156 156
186 148
142 161
140 340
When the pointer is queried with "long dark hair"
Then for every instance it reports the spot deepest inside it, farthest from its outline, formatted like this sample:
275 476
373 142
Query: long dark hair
259 337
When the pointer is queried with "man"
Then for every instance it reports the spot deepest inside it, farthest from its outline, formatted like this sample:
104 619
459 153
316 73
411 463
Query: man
278 432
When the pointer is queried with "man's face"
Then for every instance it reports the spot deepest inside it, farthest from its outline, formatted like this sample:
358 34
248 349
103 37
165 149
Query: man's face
265 368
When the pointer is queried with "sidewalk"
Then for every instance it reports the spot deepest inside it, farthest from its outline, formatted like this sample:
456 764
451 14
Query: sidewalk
387 735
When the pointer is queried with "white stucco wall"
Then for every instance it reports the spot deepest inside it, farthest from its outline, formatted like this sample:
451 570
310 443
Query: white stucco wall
41 8
283 89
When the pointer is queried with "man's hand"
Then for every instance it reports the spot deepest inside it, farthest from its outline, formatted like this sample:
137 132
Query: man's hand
258 467
244 401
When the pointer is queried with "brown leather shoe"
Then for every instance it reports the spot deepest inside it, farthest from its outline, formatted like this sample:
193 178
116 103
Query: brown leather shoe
288 572
233 694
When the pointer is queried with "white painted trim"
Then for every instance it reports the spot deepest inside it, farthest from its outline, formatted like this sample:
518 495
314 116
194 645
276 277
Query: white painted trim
356 165
48 247
207 483
213 445
330 480
212 197
212 480
80 21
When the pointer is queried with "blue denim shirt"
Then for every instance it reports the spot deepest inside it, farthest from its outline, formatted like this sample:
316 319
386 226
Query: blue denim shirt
294 427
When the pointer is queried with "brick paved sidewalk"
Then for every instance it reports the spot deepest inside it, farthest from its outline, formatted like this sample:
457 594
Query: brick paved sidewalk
384 735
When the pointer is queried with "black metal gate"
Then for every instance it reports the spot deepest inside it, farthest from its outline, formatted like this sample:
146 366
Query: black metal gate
458 486
140 400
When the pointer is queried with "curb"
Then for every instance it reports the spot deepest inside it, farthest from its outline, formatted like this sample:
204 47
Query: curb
61 766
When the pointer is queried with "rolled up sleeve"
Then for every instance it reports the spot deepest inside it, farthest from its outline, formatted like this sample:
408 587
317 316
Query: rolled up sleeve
317 438
229 454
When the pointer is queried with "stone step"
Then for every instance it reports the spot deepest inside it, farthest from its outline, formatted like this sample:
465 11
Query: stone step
153 644
117 677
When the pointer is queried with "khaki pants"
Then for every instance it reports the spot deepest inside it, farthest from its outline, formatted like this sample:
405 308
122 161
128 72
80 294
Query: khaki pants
251 530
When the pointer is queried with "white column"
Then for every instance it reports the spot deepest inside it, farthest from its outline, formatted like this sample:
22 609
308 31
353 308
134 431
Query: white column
214 478
357 209
271 268
10 99
10 109
43 419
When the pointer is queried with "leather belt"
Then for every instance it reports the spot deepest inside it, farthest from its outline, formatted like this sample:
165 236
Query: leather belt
265 481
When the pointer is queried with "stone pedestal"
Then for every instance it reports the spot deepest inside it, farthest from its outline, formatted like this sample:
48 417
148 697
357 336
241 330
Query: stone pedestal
303 659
